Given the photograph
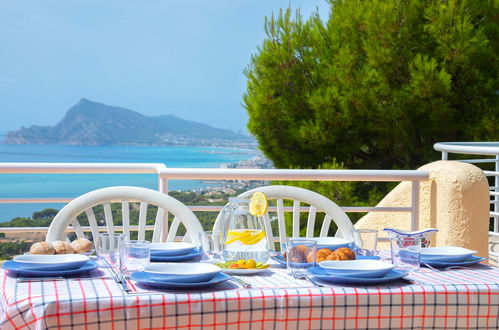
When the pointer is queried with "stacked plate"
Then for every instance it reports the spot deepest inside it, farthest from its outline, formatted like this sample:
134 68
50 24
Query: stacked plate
180 276
356 272
174 252
50 265
445 256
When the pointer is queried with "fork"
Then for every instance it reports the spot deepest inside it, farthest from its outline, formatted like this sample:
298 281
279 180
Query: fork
302 276
445 268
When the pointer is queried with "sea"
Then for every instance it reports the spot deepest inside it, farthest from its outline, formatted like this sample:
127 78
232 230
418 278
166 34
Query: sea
73 185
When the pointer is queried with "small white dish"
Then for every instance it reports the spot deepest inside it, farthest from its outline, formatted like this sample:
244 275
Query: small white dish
446 254
51 262
250 271
171 248
357 268
182 272
331 243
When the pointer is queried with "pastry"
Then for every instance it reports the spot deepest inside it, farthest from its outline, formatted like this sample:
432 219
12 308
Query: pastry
42 248
62 247
82 245
342 254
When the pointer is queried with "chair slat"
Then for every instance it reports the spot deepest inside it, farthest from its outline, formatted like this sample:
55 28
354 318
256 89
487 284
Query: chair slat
296 218
268 230
142 220
109 218
325 225
158 225
281 223
173 230
164 228
93 225
77 228
125 213
311 221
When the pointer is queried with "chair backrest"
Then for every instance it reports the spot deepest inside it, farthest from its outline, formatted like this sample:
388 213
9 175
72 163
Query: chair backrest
315 202
126 195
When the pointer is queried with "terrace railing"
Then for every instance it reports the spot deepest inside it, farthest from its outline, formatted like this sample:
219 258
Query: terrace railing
490 153
164 174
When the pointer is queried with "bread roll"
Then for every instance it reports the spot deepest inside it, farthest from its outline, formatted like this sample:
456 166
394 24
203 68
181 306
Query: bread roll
63 247
342 254
82 245
42 248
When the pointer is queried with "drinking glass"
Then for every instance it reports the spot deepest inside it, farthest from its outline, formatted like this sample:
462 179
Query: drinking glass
365 242
134 255
108 248
211 246
406 252
300 255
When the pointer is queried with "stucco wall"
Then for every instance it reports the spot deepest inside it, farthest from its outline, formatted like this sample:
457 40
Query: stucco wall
455 200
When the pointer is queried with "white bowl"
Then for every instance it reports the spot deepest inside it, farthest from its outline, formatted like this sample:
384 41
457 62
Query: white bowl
171 248
446 254
51 262
331 243
186 272
357 268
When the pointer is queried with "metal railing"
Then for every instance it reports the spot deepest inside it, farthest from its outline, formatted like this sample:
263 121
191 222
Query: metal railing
490 149
165 174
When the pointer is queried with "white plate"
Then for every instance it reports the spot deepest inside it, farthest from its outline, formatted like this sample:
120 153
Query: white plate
51 262
357 268
251 271
331 243
446 254
171 248
182 272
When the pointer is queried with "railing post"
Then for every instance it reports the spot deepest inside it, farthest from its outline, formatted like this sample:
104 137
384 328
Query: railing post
415 205
445 155
163 187
496 197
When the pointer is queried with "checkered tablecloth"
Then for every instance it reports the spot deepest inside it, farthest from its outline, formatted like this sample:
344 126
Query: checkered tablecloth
453 299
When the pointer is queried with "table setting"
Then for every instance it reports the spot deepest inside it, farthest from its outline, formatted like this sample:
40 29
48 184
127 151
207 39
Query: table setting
230 278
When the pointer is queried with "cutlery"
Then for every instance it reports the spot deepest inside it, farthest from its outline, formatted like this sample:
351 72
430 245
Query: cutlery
444 268
303 276
241 282
58 278
118 277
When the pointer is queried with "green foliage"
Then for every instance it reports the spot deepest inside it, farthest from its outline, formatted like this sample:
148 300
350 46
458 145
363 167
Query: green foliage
9 249
376 85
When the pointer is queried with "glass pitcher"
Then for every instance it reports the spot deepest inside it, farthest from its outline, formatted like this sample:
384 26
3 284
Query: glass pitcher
243 234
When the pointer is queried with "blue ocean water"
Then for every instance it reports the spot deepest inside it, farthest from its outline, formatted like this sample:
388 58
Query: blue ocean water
72 185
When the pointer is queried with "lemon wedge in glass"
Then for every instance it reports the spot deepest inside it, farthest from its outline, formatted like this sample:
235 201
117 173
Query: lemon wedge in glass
258 205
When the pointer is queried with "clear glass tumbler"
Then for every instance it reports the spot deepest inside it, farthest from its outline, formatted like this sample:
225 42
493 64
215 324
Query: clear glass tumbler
406 252
366 241
300 255
134 255
211 246
108 249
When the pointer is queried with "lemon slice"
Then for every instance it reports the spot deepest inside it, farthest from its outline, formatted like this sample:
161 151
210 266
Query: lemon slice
258 205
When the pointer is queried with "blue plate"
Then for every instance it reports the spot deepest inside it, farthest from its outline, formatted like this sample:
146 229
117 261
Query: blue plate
145 279
171 249
321 274
196 253
17 268
468 262
280 259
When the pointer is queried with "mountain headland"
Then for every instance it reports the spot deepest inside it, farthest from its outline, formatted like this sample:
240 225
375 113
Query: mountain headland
93 123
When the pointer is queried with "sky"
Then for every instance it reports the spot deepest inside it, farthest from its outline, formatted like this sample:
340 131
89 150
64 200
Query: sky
181 57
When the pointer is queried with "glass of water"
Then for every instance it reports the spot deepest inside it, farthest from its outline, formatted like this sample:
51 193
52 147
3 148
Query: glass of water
406 252
108 249
366 241
300 255
211 246
134 255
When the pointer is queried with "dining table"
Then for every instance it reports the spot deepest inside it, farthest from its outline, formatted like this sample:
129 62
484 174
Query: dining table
464 298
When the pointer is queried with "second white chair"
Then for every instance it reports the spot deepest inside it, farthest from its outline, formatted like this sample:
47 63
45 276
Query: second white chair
316 203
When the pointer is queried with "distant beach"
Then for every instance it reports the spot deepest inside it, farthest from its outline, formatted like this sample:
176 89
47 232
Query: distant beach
72 185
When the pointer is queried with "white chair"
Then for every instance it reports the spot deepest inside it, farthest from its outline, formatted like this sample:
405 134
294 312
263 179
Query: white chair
126 195
316 203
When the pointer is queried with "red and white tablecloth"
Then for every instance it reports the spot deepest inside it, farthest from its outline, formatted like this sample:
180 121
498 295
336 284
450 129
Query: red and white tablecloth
453 299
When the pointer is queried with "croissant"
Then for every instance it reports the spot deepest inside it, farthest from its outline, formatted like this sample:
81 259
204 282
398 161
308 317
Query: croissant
342 254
